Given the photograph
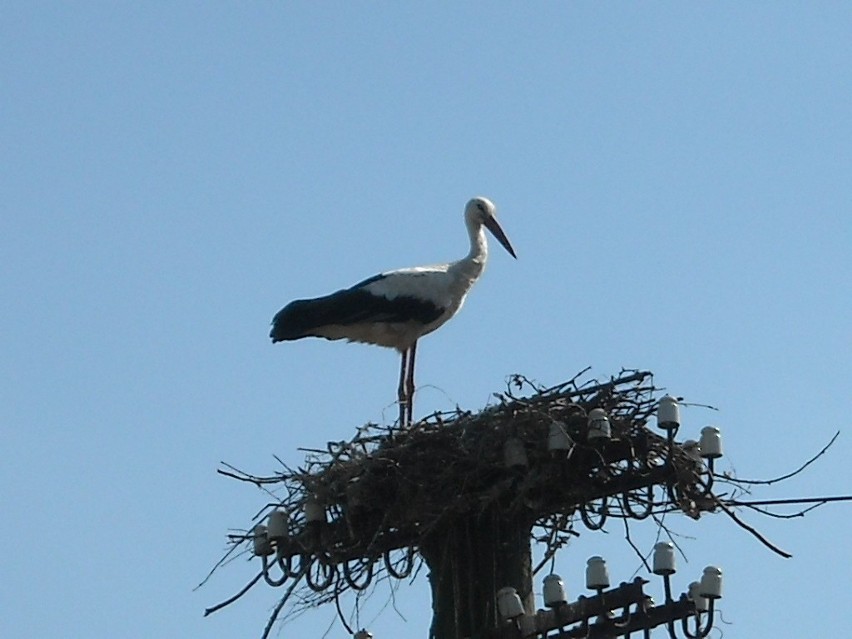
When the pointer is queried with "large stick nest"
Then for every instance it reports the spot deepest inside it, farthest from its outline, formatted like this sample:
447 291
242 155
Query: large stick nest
390 488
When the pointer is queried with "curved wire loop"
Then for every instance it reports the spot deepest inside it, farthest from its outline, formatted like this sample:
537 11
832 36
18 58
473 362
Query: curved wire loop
591 523
710 474
670 493
701 630
293 568
408 566
647 508
285 562
325 573
268 578
366 573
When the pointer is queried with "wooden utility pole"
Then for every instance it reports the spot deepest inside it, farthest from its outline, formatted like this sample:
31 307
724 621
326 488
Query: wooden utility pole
469 560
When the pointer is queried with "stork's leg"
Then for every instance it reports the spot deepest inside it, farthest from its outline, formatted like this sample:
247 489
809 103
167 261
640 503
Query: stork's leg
410 381
401 395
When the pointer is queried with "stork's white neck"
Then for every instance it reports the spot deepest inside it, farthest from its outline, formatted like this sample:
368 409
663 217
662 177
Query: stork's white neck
478 243
470 267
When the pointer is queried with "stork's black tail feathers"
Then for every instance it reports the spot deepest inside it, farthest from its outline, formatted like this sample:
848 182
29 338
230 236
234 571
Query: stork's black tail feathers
306 318
299 318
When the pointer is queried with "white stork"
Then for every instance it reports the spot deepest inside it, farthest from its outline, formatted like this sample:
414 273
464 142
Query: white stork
396 308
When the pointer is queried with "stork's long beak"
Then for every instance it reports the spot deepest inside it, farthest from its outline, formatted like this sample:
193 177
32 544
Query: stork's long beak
492 225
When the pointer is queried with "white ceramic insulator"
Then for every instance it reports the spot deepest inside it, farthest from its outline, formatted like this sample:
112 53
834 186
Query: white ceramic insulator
664 558
509 603
668 413
558 438
599 427
711 442
701 603
261 541
554 591
711 583
597 574
314 511
514 454
276 525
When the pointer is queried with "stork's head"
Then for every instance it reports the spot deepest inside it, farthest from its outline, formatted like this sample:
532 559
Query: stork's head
480 211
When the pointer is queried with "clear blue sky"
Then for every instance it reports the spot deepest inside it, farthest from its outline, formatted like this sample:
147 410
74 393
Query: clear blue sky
676 179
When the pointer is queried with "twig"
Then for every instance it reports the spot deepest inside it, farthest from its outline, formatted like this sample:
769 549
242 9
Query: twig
730 513
781 502
767 482
236 473
799 513
280 605
227 602
639 554
219 563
